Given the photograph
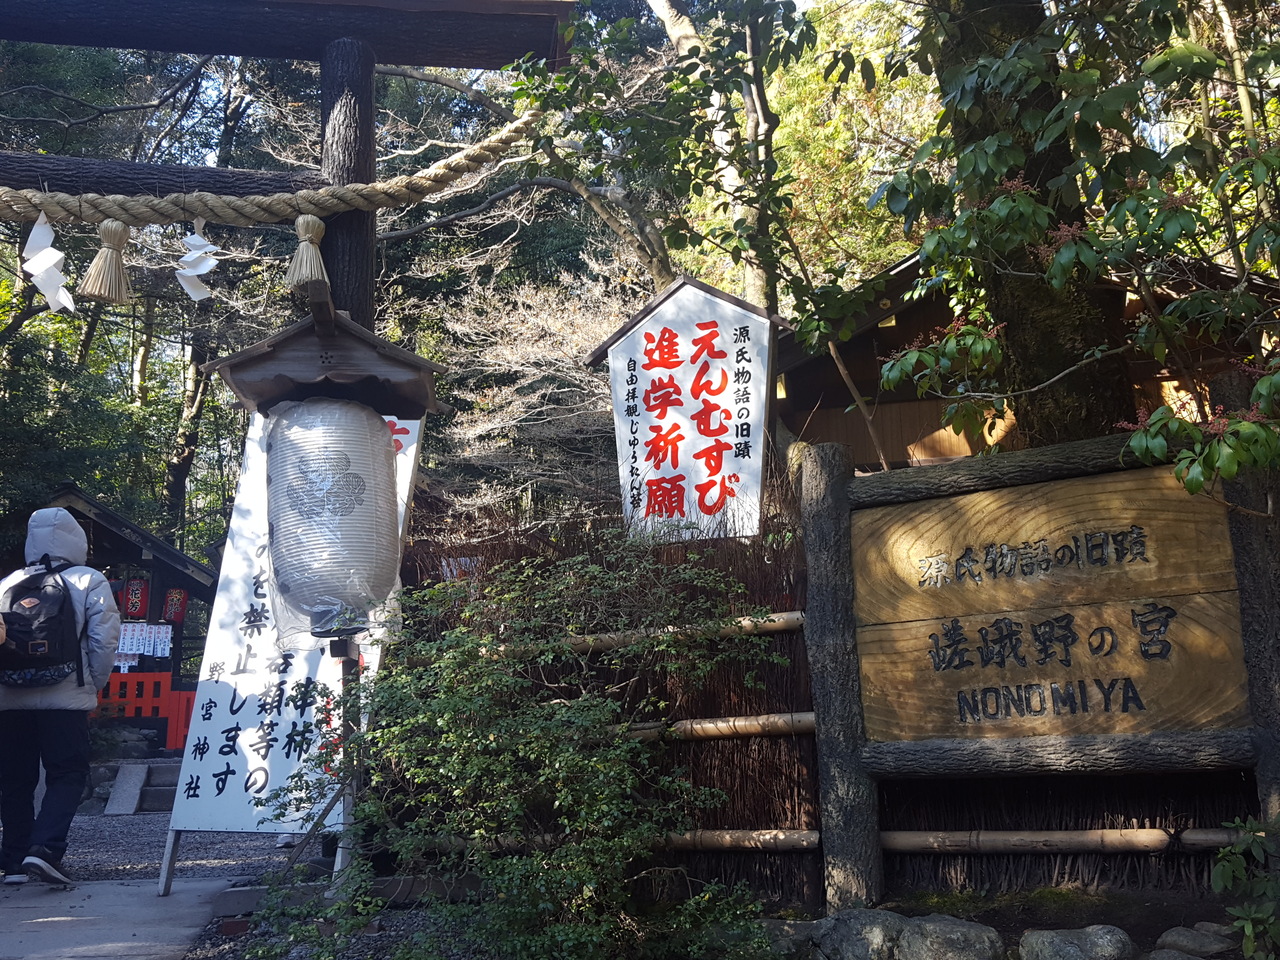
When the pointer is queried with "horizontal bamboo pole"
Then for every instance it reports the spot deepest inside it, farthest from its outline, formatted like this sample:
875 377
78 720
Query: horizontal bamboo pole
762 725
1051 841
773 623
776 841
911 841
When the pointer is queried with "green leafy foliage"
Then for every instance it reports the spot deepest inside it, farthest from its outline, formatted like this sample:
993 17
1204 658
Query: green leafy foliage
61 423
499 756
1055 158
1244 873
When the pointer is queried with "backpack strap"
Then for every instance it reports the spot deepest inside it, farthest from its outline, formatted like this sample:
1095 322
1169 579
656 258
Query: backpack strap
80 652
84 631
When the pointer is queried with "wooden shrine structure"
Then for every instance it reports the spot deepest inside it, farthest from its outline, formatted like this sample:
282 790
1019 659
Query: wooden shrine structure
116 544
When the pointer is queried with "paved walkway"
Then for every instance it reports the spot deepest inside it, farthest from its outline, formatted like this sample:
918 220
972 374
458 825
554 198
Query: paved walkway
105 919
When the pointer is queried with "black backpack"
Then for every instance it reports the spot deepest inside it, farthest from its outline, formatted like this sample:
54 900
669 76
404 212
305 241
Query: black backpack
42 646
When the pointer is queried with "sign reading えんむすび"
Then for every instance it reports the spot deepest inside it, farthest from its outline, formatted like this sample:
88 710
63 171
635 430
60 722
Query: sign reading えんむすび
690 388
1094 606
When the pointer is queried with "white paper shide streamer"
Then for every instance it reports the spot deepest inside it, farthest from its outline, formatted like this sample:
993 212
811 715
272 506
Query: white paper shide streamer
196 262
44 263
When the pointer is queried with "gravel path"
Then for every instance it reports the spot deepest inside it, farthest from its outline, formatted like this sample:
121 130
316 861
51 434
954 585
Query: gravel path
130 848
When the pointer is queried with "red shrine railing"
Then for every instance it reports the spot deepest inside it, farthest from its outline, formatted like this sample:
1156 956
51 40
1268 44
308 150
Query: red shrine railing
149 695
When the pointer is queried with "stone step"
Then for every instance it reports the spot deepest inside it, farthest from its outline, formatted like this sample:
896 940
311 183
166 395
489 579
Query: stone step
157 799
164 774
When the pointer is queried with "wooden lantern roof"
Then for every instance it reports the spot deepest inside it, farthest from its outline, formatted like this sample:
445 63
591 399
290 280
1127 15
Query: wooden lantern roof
477 34
327 355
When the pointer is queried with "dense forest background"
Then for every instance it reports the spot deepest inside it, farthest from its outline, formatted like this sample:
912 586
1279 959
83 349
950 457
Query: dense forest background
1029 152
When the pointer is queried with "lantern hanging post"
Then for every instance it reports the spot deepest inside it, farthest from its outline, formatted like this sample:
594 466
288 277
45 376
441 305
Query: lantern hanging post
320 300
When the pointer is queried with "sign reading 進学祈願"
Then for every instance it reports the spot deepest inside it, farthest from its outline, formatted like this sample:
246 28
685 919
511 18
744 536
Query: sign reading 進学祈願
690 388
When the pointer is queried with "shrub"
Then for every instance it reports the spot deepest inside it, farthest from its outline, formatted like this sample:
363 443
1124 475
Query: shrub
498 754
1244 872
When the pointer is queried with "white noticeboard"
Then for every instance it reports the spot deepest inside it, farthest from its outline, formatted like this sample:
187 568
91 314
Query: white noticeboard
690 393
259 712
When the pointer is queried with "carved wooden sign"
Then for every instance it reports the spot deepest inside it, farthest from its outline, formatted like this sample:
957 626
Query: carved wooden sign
1101 605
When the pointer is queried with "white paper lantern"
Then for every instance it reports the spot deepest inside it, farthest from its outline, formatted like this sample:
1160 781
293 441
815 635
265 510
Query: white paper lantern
331 510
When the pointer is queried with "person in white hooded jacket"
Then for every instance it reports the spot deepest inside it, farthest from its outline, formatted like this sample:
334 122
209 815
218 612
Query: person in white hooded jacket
49 726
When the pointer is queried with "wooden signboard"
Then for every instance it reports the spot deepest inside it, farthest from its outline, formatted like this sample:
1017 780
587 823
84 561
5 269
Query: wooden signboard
1102 605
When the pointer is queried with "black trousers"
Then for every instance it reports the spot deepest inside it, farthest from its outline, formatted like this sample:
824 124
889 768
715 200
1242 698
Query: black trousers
58 740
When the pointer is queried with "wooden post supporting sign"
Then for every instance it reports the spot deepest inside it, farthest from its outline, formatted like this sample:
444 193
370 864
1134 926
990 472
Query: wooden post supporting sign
848 799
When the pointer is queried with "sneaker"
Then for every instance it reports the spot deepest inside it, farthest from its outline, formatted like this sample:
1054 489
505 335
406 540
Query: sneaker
12 877
41 864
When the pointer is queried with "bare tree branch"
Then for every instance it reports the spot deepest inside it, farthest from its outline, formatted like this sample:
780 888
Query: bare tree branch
534 183
98 112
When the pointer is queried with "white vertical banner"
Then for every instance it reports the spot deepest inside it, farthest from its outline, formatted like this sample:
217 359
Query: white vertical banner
690 388
260 711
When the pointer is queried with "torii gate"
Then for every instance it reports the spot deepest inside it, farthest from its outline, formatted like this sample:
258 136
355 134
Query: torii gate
346 37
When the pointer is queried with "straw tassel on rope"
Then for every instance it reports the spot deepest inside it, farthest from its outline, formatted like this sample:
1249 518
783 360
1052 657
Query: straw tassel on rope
106 278
307 264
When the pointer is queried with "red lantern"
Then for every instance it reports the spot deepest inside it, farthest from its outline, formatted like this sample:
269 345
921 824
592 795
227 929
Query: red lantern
175 606
135 598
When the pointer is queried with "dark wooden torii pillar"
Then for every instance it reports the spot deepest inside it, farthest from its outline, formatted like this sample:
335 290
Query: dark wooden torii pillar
346 125
347 38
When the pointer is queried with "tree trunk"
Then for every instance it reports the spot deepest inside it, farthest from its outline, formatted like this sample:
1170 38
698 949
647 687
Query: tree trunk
142 353
186 441
1046 330
86 337
758 283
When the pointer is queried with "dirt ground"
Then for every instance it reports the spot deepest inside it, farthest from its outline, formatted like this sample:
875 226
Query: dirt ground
1144 915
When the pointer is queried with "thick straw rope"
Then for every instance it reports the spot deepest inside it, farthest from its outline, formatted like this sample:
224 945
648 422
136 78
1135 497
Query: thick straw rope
250 210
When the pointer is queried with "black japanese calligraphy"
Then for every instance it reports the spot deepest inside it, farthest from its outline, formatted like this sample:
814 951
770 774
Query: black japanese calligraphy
1032 558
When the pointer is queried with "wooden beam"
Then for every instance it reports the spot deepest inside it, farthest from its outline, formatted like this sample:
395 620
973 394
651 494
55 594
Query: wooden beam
321 304
720 728
76 175
1255 540
763 841
1081 458
477 34
1138 753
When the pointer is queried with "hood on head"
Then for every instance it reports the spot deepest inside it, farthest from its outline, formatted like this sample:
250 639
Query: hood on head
54 531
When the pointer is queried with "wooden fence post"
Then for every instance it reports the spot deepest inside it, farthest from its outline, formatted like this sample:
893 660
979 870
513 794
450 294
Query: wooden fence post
848 798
